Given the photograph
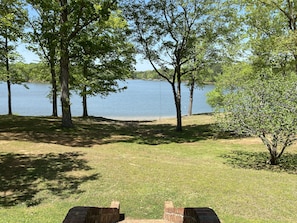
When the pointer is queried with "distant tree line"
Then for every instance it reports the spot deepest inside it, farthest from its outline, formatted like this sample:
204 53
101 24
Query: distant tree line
32 72
216 70
146 75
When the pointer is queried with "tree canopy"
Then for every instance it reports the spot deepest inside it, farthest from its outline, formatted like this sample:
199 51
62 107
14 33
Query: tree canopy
66 29
101 57
168 32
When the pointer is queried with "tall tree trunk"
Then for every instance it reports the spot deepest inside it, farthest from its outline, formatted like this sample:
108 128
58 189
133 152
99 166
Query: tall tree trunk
8 77
177 99
9 95
178 113
84 102
54 87
84 93
64 68
192 85
177 103
65 96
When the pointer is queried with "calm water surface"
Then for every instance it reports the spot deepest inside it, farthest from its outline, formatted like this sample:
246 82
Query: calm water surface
142 100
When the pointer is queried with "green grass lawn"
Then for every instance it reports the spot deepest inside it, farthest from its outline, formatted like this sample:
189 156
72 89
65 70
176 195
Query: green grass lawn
45 170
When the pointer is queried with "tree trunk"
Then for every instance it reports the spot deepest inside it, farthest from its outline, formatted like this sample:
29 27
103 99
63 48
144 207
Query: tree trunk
9 95
84 102
192 85
8 77
272 148
178 115
177 99
65 96
84 92
54 88
64 68
273 156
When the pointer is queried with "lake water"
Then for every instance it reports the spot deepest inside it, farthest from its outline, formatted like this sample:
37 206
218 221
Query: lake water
142 100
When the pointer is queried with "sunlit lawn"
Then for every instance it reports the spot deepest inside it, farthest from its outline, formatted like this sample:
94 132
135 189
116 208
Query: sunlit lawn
45 170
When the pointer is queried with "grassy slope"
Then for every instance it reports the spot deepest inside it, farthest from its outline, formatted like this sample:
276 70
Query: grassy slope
141 165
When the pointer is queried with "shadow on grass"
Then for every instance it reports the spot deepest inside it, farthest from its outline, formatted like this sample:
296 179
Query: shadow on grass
259 161
93 130
23 176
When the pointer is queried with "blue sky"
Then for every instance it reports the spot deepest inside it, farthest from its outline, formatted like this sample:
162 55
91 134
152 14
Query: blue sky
28 56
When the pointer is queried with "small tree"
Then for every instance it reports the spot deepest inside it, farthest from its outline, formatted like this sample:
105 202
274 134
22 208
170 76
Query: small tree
265 107
101 56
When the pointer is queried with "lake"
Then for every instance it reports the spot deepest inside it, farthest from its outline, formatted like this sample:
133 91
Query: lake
143 99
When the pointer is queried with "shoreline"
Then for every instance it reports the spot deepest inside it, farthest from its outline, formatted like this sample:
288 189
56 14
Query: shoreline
118 118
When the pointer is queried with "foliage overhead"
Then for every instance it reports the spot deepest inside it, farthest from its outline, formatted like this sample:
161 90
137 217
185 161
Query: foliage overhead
168 34
11 31
101 55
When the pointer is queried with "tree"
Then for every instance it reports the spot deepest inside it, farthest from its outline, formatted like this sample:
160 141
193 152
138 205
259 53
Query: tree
167 32
102 56
264 106
218 46
73 16
44 33
11 30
